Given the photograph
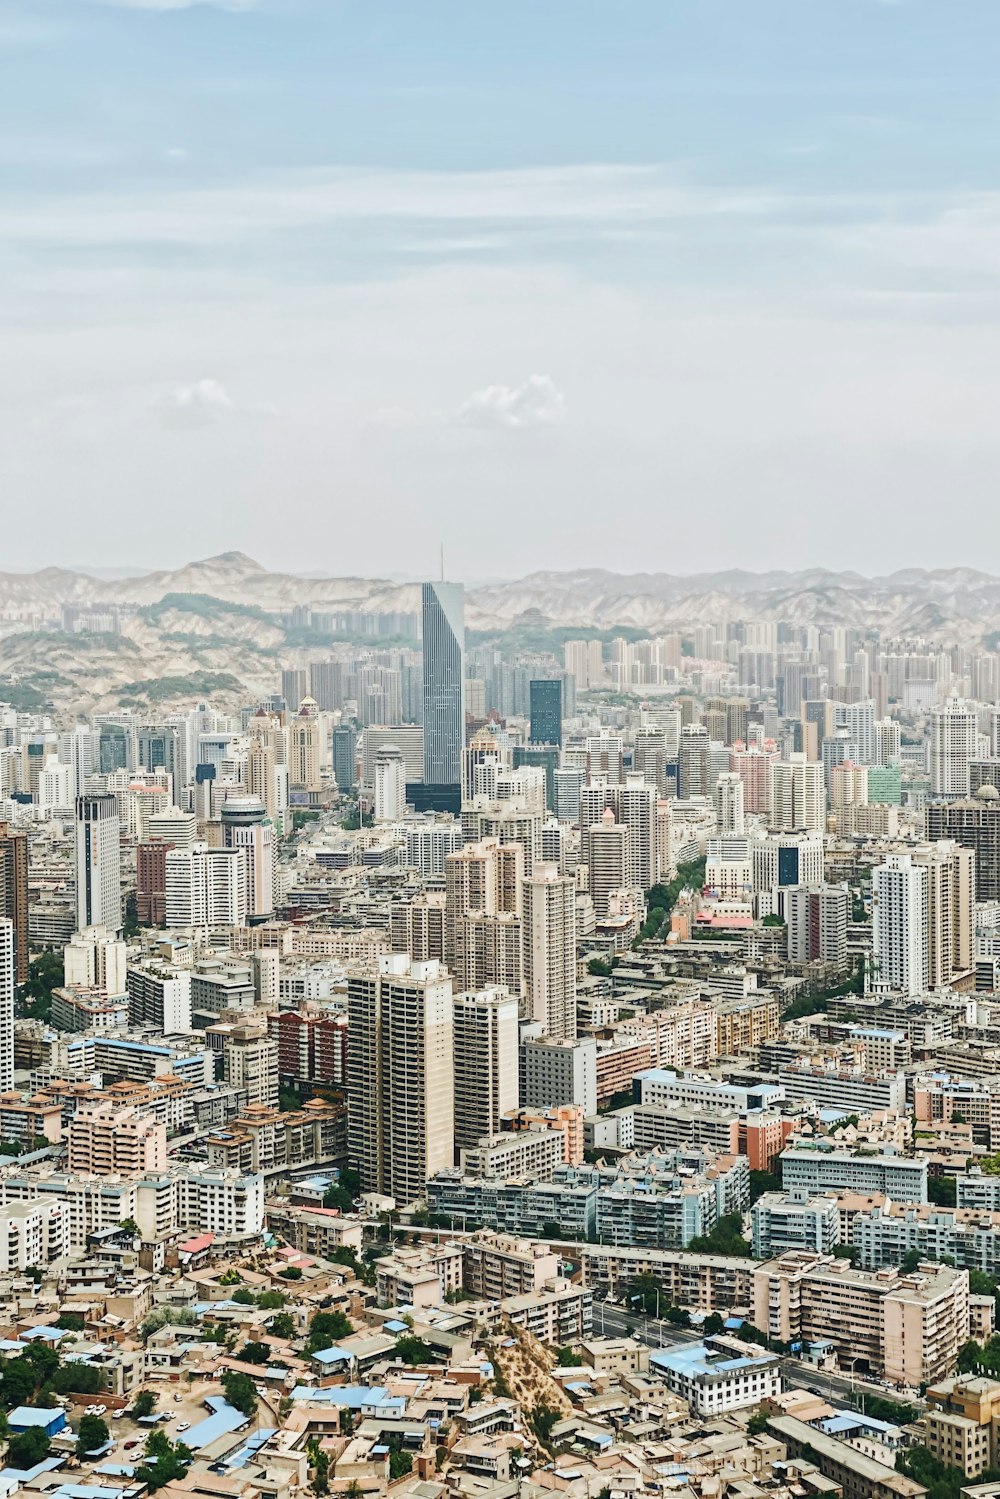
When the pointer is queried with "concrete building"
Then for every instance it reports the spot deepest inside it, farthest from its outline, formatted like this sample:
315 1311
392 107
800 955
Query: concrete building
104 1140
718 1375
95 959
954 743
973 823
486 1062
902 1178
8 979
98 863
556 1071
817 920
548 951
160 997
444 684
797 795
794 1220
390 784
401 1079
900 924
14 893
206 887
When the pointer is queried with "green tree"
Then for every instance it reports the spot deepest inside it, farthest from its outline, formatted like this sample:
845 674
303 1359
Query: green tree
941 1191
566 1358
320 1464
725 1238
243 1297
326 1329
45 973
71 1321
28 1448
757 1424
400 1463
291 1272
343 1193
144 1403
166 1461
91 1435
282 1325
712 1324
413 1350
543 1418
270 1300
239 1391
255 1353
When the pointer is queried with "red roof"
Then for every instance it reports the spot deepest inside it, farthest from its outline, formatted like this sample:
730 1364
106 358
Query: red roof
195 1246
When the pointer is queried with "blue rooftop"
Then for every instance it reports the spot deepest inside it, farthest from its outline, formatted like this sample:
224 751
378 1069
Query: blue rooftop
693 1359
352 1396
35 1415
332 1356
225 1418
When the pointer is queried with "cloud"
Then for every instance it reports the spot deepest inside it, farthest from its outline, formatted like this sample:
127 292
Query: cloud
197 405
536 403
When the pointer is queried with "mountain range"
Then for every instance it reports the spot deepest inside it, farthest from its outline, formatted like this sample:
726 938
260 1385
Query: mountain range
203 629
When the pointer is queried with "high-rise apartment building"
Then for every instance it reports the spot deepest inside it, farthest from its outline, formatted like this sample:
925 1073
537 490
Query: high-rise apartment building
859 720
548 963
486 1063
798 796
634 807
95 959
753 766
900 924
159 997
345 752
401 1075
584 662
14 893
609 861
444 684
973 822
482 924
107 1139
693 771
206 886
390 784
954 742
950 911
8 978
817 920
98 863
730 797
293 687
509 821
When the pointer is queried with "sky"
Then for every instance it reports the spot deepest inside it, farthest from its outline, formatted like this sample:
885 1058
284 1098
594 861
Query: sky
657 285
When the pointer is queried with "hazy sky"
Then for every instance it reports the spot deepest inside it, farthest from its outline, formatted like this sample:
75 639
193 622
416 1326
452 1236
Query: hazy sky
642 284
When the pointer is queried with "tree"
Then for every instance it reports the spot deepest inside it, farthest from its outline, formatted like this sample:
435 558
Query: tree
400 1463
239 1391
941 1191
542 1419
412 1350
91 1435
129 1226
166 1461
712 1324
255 1353
757 1424
28 1448
282 1325
45 973
567 1359
71 1321
144 1403
343 1193
243 1297
268 1300
678 1316
320 1463
725 1238
911 1259
291 1272
326 1329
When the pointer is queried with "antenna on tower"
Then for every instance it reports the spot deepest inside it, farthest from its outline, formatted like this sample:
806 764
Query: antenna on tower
442 562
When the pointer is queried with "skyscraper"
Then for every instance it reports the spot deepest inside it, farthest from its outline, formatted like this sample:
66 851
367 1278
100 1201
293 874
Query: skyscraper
98 863
548 964
729 800
954 742
293 687
390 784
245 825
974 822
401 1075
798 798
694 777
900 924
444 687
545 698
345 749
7 974
486 1063
14 893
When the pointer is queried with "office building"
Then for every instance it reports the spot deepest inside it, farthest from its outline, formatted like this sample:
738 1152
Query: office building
247 827
304 755
401 1077
159 997
345 750
555 1072
545 699
14 893
293 687
98 863
548 964
444 688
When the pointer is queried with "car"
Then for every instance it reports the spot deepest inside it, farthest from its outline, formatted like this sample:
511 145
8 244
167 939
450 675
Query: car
100 1410
117 1415
183 1425
167 1415
133 1443
178 1399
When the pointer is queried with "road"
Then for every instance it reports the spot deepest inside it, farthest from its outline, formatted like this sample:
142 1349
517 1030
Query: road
615 1322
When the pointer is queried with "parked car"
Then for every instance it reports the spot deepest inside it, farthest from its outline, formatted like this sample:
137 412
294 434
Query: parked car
183 1425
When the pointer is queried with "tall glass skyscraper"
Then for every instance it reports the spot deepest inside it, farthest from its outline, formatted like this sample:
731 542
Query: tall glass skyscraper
444 683
545 700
